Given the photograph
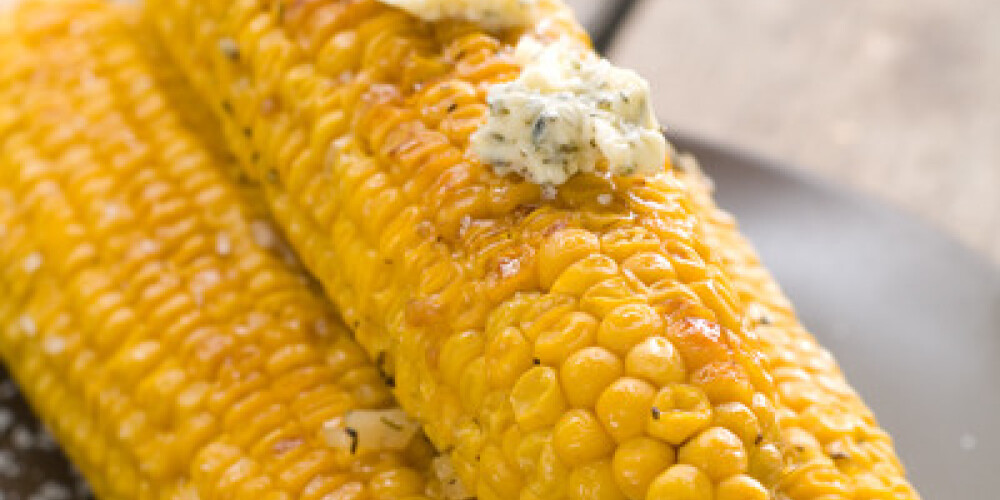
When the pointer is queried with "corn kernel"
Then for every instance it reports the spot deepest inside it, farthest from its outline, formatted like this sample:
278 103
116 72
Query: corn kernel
650 267
724 382
627 325
571 333
680 482
576 279
536 398
679 412
561 250
594 481
741 487
738 418
623 407
579 438
586 373
508 355
656 360
717 451
638 461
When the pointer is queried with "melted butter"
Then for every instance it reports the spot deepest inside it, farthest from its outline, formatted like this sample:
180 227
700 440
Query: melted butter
492 14
569 111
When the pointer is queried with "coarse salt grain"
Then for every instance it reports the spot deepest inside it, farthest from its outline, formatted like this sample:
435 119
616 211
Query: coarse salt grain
32 262
223 245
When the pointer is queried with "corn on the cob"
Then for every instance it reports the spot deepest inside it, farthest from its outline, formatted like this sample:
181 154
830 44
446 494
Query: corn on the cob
144 308
836 448
585 347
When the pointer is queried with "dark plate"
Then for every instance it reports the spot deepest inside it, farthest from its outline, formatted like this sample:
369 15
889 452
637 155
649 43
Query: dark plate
913 318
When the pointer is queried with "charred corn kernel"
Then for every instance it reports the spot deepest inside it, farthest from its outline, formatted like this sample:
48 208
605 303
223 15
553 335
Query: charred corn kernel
810 383
170 361
628 325
717 451
637 462
579 438
360 119
656 360
680 482
594 481
741 487
586 373
678 412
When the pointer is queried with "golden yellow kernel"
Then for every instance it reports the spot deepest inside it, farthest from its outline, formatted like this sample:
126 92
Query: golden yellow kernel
607 295
741 487
740 419
457 351
656 360
579 438
623 407
397 482
650 267
627 325
679 411
680 482
576 279
537 399
766 462
551 476
528 449
622 243
508 355
497 473
572 332
561 250
638 461
594 481
586 373
717 451
724 382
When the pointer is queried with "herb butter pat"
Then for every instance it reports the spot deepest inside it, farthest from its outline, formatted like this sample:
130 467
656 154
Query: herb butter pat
569 111
492 14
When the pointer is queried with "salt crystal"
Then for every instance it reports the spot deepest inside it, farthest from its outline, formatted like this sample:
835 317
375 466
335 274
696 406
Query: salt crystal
27 325
263 233
604 199
223 245
509 267
54 344
32 262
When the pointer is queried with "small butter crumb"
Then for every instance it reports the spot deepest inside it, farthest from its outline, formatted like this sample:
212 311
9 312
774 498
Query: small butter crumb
549 192
263 233
604 199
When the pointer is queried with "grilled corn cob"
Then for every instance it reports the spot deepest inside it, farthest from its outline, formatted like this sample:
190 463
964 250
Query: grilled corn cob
146 309
587 346
836 448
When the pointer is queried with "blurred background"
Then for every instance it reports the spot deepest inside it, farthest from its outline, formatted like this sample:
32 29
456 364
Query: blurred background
896 98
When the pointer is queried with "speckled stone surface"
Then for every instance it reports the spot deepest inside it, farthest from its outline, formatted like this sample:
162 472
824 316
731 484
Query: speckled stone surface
899 98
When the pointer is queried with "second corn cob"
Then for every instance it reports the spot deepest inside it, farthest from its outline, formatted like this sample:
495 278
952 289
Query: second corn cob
145 308
586 346
836 448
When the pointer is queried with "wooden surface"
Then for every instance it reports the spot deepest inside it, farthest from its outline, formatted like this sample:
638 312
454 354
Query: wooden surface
898 98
